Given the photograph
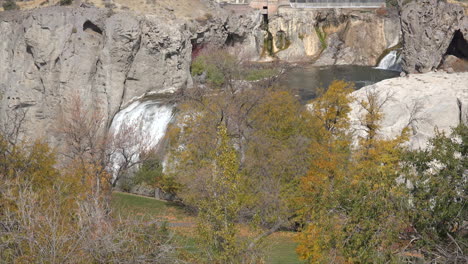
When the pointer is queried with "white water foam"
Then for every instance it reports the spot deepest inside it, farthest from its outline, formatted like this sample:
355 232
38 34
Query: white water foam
392 62
147 120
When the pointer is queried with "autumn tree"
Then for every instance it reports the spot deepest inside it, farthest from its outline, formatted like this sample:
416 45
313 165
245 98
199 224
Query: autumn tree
49 215
269 130
321 189
218 210
353 202
437 177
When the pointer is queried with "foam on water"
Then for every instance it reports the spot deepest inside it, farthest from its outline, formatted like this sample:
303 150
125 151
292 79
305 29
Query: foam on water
148 122
149 118
392 62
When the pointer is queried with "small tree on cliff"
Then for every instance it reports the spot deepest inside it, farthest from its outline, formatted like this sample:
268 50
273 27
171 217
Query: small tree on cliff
10 5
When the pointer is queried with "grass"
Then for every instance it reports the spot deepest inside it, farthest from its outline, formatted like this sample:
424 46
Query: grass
260 74
281 247
125 204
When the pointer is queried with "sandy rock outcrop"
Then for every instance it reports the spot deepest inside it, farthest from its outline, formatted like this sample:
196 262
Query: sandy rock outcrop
333 36
428 28
422 101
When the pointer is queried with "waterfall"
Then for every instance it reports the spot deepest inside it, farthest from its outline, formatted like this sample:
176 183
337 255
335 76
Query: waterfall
149 119
139 126
392 62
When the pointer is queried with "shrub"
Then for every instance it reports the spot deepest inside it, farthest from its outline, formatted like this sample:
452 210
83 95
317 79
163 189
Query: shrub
259 74
126 184
66 2
322 37
220 67
149 173
10 5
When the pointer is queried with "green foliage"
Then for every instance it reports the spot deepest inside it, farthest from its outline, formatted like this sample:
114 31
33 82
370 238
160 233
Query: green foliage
439 190
219 209
150 172
126 183
351 201
268 45
282 41
65 2
322 37
10 5
259 74
220 67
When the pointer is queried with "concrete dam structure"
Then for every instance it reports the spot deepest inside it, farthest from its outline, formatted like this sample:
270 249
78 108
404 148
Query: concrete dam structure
337 3
271 6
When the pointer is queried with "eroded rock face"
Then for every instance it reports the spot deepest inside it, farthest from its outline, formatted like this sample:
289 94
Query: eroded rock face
51 55
334 36
422 102
428 28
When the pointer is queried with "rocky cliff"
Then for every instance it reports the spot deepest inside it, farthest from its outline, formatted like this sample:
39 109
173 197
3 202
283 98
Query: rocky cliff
431 30
334 36
53 54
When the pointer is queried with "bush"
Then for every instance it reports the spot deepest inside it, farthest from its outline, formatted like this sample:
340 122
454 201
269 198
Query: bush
66 2
259 74
126 184
322 35
220 67
149 173
10 5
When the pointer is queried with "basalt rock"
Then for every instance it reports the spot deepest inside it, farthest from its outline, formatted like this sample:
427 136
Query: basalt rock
429 27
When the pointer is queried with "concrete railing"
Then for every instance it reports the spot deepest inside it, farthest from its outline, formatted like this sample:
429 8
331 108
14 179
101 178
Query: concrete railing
337 3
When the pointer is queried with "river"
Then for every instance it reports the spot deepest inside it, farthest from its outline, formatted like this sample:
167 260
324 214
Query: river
305 81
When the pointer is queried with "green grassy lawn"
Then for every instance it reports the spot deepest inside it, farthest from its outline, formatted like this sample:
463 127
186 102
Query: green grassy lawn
281 246
283 251
125 204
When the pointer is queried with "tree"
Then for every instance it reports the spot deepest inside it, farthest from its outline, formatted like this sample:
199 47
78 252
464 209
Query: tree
268 129
321 188
352 201
439 189
219 209
49 215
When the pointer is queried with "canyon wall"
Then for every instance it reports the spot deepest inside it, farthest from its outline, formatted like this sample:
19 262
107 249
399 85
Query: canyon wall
334 36
52 55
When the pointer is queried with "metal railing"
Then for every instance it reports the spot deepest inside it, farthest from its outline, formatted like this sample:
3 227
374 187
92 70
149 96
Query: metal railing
337 3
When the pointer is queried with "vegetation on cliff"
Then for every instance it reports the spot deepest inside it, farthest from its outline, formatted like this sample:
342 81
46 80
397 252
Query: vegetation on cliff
246 159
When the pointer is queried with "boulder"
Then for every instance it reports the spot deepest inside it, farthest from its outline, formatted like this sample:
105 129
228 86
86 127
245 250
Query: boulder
455 64
422 102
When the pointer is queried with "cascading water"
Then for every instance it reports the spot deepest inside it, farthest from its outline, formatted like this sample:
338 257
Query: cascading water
392 62
148 118
140 126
